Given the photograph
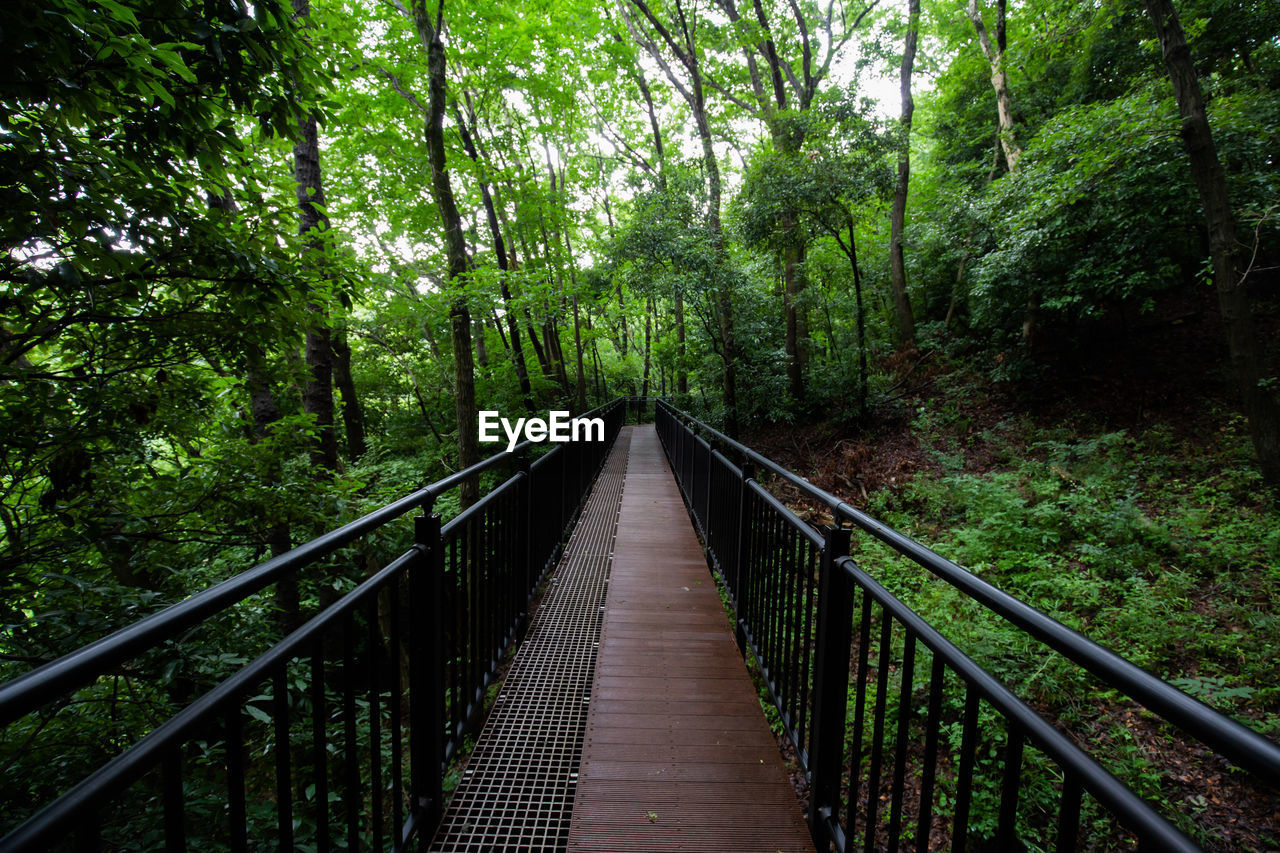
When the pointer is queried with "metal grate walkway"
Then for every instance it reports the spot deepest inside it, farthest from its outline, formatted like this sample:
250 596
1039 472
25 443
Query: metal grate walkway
517 791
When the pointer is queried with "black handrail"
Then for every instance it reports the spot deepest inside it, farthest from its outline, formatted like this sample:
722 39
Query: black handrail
33 689
424 636
1231 739
1110 792
29 691
126 768
766 556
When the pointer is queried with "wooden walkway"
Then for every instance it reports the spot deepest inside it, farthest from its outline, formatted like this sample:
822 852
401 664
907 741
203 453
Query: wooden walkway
677 753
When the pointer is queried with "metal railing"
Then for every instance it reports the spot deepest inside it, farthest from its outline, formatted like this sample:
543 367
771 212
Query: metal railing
839 653
338 735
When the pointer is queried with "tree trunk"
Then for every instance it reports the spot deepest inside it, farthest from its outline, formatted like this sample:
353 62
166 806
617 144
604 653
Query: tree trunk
577 328
897 265
695 97
482 346
455 251
352 415
1230 273
622 313
543 361
724 293
577 339
682 372
497 324
317 391
551 343
999 78
265 413
595 364
648 318
797 326
862 325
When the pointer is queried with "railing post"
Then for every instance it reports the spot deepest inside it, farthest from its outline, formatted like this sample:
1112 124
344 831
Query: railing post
691 477
830 684
524 539
426 676
741 570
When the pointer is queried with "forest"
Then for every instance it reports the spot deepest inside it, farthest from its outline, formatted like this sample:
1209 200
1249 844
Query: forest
1004 274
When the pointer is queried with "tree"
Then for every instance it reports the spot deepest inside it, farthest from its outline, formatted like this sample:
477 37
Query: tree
897 266
817 42
313 225
995 55
827 187
1230 271
693 89
455 248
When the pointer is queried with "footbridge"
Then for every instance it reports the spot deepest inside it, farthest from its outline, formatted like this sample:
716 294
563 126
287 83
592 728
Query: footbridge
614 649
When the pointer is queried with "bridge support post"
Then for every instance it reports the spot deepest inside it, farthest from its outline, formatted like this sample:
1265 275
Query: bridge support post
830 684
426 676
741 572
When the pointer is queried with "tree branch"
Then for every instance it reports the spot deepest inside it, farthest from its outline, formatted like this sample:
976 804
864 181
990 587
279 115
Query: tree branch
401 90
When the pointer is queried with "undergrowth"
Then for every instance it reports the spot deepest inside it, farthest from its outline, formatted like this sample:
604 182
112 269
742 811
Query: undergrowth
1160 547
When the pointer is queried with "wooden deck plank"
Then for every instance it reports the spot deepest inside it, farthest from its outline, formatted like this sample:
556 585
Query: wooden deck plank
677 754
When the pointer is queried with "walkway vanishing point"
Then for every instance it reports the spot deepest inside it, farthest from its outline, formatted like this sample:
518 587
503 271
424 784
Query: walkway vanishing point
627 720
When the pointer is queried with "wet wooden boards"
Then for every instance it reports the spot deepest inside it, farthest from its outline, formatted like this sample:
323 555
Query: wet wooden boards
677 755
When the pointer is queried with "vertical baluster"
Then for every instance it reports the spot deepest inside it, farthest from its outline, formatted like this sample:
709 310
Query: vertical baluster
237 829
742 569
859 712
778 656
394 708
831 684
523 543
877 728
506 561
786 616
797 640
493 581
284 774
706 487
175 832
319 750
936 686
1069 813
769 600
426 725
374 641
1007 830
511 556
764 559
564 489
809 641
350 738
485 602
466 634
746 566
904 727
693 478
475 641
88 833
964 782
713 509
